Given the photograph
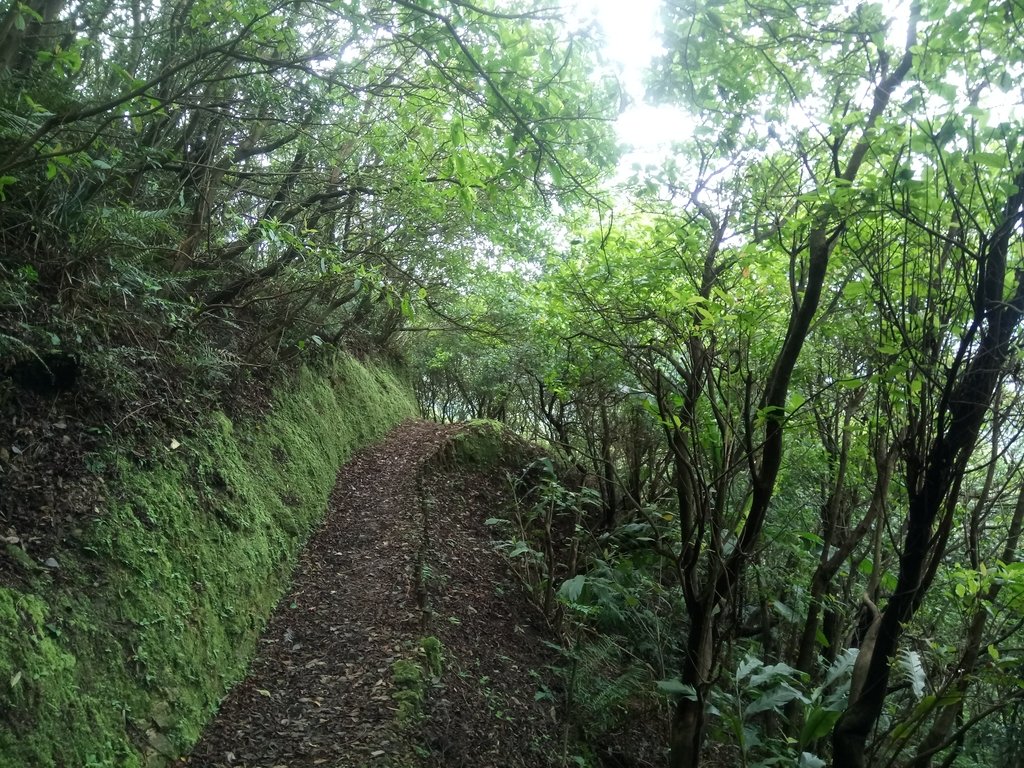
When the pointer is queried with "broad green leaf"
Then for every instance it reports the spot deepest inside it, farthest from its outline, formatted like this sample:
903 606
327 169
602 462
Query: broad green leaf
808 760
913 670
749 665
675 687
819 721
774 699
572 588
771 672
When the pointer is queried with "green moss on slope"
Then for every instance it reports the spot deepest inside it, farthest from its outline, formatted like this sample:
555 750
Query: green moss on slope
120 657
486 443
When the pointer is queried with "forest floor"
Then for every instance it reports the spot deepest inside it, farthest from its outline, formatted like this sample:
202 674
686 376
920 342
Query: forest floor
405 639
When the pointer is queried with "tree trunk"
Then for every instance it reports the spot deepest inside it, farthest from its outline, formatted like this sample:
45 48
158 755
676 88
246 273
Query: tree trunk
944 722
965 405
687 734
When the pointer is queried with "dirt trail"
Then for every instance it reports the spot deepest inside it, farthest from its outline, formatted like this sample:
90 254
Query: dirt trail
321 688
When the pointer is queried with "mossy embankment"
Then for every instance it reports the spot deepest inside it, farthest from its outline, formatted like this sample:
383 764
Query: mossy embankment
119 657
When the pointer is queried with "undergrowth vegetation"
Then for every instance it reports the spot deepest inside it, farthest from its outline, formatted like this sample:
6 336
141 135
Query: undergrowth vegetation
614 601
616 616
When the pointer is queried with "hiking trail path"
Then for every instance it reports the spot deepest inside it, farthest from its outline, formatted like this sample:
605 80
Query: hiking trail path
402 554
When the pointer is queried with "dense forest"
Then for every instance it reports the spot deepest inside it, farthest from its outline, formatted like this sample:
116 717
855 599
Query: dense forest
778 371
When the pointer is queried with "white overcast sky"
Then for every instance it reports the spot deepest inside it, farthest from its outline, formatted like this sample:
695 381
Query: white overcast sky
631 39
630 30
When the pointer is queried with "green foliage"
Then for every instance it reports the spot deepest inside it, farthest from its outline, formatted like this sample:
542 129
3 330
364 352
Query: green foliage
147 627
411 679
607 688
802 305
433 656
481 443
409 694
259 177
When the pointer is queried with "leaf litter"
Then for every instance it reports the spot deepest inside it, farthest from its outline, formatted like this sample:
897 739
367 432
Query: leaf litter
403 554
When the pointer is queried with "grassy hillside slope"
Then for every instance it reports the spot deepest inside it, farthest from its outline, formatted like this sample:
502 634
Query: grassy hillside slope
118 657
